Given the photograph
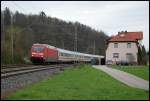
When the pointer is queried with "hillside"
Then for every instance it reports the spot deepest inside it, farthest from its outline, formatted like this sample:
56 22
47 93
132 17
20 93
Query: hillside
29 29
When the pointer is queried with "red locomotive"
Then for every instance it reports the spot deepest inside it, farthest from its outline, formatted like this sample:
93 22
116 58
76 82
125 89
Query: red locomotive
43 53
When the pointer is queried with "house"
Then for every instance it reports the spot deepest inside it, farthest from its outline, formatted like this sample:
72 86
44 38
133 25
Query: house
123 47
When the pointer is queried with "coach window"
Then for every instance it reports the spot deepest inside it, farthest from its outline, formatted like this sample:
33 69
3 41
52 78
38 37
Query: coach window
65 54
69 55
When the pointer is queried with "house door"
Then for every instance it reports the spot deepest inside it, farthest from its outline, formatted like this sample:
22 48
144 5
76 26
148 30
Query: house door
129 57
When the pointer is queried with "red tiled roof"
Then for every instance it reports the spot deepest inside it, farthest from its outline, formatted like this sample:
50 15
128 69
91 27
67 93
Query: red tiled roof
128 36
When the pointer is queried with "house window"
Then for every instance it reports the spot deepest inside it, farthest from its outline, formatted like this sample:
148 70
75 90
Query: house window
115 55
128 54
115 45
128 45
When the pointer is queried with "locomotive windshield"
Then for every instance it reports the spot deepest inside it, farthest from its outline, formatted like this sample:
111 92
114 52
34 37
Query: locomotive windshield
38 49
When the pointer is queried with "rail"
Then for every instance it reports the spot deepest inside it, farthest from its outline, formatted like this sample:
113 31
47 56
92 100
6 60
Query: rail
18 70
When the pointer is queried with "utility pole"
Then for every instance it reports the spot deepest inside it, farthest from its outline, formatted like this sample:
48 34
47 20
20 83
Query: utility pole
75 41
63 45
2 20
94 47
3 33
76 38
12 38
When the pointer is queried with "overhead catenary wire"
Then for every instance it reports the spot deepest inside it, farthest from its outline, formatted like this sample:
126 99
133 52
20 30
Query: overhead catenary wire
12 33
19 6
76 38
75 41
3 31
28 26
12 38
94 47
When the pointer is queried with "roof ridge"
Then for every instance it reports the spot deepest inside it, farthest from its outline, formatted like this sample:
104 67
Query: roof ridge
127 36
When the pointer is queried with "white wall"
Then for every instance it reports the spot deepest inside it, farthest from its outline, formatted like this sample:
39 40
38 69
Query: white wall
122 50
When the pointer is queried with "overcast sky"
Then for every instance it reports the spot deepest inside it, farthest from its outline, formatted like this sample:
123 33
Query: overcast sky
108 16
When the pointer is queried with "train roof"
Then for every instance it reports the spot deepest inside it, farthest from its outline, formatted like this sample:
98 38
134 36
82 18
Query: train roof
46 45
78 53
65 51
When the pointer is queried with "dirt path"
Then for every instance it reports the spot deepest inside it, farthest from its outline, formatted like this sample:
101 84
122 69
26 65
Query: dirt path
125 77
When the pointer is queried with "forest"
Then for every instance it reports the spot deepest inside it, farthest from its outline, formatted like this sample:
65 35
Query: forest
20 31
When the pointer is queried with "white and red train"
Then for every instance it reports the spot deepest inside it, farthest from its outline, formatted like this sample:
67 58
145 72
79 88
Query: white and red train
42 53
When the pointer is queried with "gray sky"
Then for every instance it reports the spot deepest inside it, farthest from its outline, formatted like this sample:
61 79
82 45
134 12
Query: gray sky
108 16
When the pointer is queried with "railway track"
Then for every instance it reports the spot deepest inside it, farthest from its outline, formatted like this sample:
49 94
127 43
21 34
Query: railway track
7 71
14 77
19 65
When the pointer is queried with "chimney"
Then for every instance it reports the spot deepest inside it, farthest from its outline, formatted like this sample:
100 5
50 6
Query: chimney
122 32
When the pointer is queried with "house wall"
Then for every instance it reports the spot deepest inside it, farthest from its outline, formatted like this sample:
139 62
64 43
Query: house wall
122 50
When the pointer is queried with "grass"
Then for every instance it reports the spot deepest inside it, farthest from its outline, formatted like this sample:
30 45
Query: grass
80 83
140 71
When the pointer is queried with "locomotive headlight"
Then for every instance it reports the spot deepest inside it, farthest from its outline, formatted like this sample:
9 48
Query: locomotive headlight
33 53
41 54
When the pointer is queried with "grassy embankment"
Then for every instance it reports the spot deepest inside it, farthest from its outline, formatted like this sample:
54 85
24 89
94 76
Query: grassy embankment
80 83
140 71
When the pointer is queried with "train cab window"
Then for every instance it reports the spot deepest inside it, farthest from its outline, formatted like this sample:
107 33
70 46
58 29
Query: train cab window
61 54
38 49
65 54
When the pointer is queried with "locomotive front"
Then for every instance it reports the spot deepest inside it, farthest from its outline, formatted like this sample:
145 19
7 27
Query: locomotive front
37 54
